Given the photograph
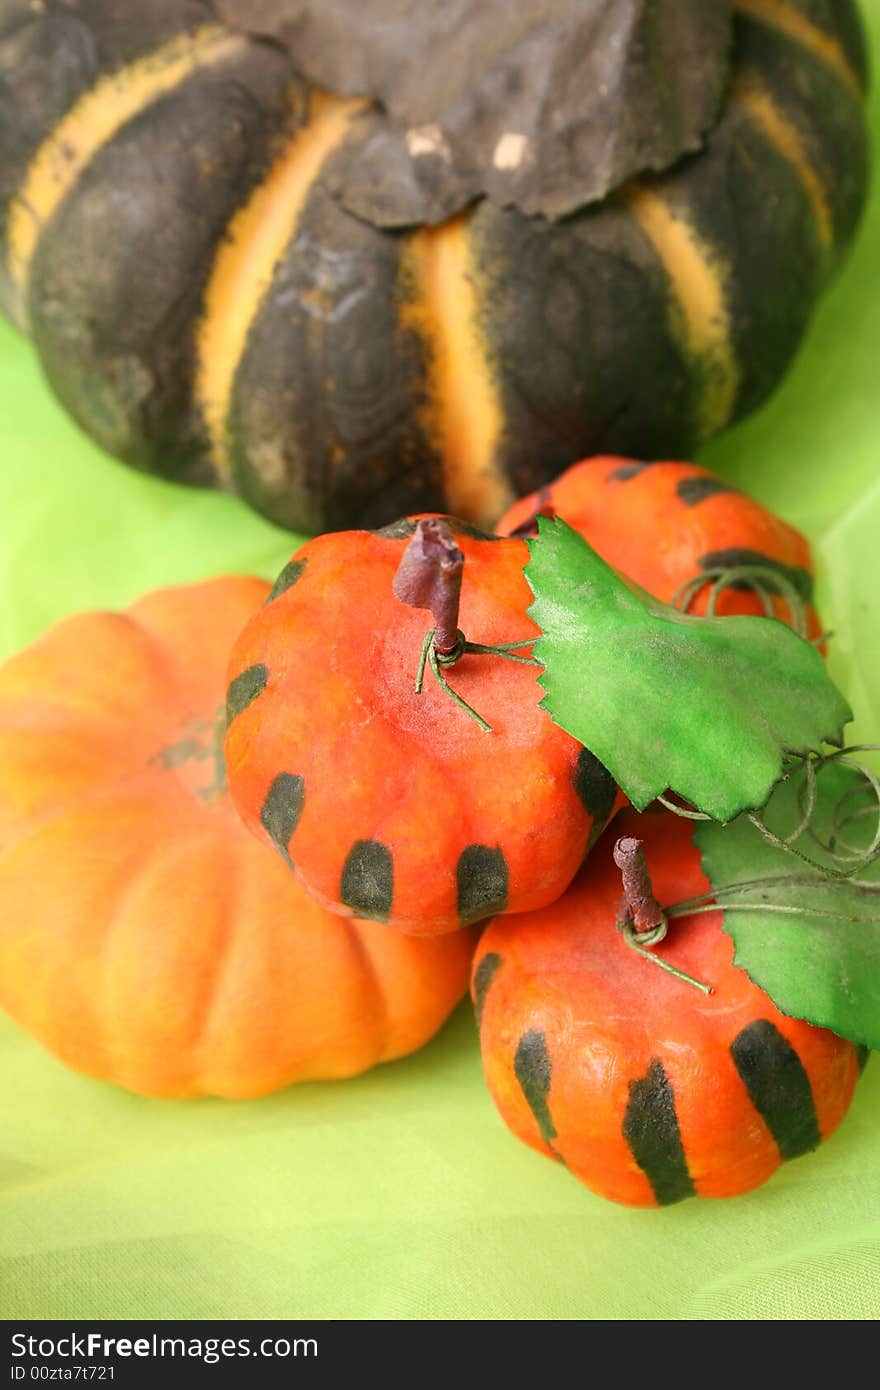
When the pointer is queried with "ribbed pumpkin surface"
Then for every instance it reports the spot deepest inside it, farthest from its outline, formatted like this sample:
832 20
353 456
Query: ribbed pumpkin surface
386 802
145 936
173 233
648 1090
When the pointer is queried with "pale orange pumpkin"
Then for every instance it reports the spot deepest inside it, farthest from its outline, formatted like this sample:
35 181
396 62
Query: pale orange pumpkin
145 936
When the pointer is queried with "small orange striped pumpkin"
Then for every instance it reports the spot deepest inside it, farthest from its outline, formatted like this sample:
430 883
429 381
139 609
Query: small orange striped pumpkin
646 1089
385 802
667 525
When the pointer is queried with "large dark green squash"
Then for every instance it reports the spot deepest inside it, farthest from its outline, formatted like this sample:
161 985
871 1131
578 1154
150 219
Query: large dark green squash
177 235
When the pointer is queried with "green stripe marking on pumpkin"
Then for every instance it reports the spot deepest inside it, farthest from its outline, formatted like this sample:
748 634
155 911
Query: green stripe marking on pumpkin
483 976
282 809
628 471
482 880
692 491
778 1087
399 530
367 885
245 689
650 1128
287 578
467 528
531 1066
596 789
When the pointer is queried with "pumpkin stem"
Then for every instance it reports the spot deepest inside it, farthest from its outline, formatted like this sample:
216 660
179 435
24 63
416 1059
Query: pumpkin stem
642 908
632 938
429 576
644 923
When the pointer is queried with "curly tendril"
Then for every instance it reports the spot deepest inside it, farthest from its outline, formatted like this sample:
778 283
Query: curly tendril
847 859
765 581
437 660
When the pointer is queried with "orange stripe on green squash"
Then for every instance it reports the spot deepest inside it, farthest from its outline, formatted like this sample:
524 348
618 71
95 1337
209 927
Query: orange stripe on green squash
792 22
115 99
464 413
255 240
759 105
700 315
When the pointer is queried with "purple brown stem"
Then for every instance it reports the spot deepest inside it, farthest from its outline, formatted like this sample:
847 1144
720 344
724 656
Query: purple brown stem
642 907
429 576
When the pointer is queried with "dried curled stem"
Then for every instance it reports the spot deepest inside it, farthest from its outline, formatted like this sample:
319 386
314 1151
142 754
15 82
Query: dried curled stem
643 922
429 576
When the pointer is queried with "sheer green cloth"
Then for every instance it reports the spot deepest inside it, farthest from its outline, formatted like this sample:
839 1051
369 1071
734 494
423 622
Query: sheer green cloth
400 1194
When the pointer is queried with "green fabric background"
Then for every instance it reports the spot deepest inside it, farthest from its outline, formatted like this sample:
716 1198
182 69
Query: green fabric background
400 1194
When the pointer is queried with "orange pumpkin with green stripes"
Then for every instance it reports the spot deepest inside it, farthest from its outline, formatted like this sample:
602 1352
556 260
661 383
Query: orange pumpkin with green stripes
390 801
646 1088
682 533
174 235
145 937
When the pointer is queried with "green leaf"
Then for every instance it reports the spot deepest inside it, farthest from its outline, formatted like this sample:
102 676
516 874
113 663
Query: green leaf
811 942
705 707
